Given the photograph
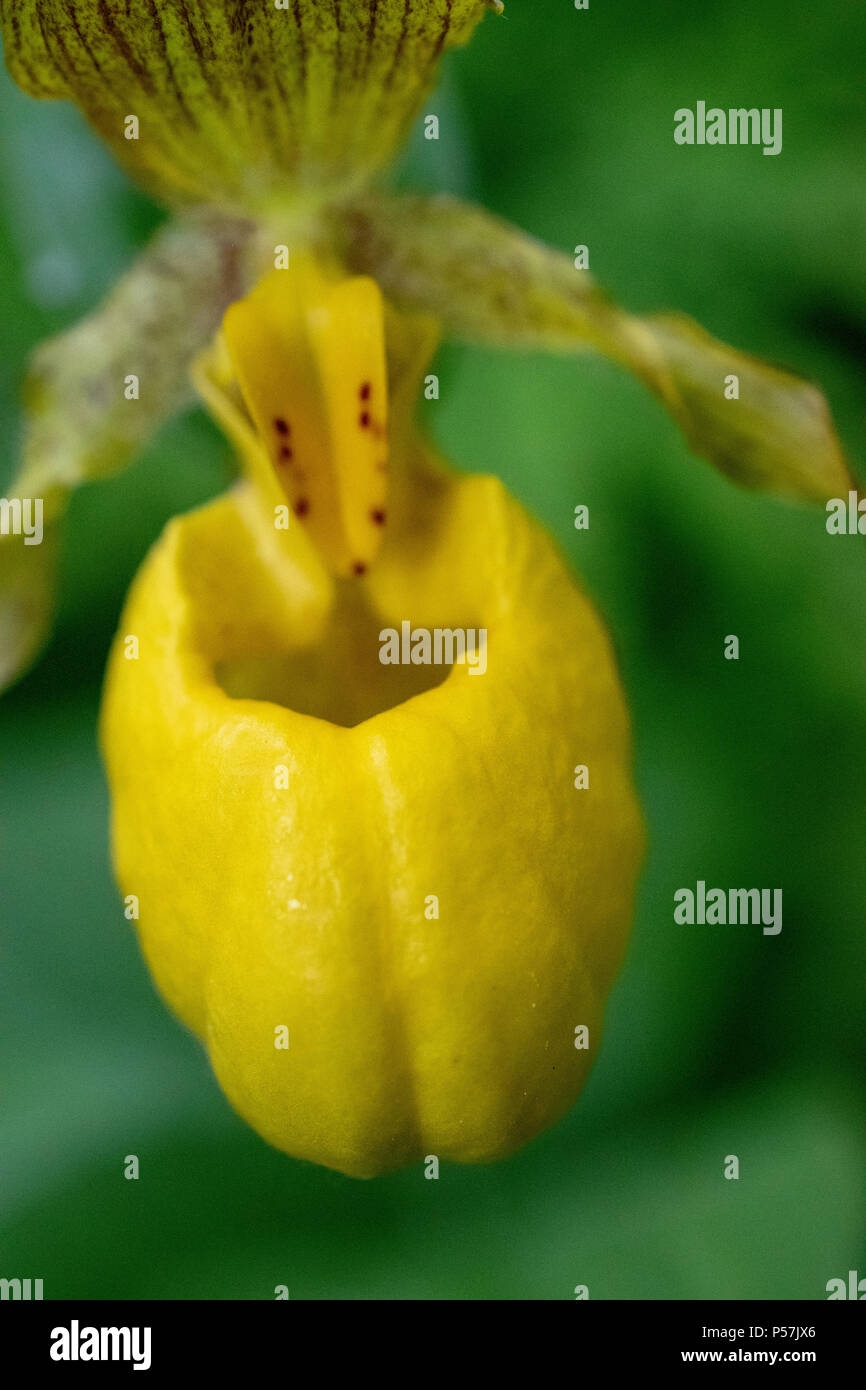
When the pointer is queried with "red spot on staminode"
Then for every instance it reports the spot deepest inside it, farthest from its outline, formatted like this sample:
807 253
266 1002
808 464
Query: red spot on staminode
378 515
365 391
302 506
359 567
285 452
282 426
364 419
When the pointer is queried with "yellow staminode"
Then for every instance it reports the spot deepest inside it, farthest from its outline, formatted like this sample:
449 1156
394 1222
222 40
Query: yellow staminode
309 355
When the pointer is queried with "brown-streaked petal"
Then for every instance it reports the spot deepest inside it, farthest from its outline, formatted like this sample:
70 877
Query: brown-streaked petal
83 420
239 100
488 281
27 582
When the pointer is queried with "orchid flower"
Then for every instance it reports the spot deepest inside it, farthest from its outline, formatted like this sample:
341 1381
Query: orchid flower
389 898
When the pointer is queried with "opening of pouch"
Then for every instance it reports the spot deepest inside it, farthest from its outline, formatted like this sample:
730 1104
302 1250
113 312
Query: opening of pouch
360 666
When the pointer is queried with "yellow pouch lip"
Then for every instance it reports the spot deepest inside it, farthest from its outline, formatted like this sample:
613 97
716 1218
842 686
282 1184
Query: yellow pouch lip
305 905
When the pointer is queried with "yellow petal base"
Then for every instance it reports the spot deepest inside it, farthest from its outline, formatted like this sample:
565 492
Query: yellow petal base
286 809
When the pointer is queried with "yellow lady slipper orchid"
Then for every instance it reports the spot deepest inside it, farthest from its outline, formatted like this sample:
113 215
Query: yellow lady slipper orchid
387 869
377 892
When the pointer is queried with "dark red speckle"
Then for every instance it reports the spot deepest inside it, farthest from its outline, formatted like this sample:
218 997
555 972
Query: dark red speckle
359 567
302 506
364 419
281 426
285 451
365 391
378 515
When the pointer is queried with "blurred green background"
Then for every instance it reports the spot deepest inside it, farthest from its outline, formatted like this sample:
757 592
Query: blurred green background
719 1040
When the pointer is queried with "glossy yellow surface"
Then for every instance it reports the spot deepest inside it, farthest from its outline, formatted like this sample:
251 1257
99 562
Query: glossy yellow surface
287 810
308 353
